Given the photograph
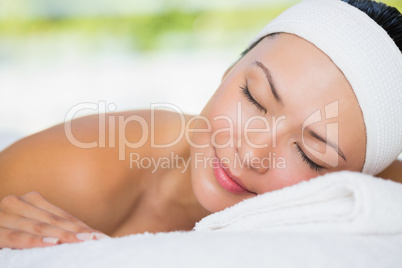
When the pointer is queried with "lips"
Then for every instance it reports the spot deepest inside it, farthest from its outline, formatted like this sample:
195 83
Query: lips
225 179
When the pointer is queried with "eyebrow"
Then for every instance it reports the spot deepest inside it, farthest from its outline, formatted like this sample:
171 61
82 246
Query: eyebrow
270 81
329 143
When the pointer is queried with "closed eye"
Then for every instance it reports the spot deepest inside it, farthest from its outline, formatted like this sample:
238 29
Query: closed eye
313 166
250 98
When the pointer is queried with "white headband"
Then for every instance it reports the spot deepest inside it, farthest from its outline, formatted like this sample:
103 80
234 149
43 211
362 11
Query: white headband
370 61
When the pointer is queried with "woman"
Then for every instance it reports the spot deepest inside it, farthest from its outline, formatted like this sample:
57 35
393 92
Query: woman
292 108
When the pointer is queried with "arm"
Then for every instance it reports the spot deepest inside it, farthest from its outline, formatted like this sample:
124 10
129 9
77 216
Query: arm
69 177
90 184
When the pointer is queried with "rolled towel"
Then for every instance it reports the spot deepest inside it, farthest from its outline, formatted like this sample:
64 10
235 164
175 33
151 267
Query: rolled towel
339 202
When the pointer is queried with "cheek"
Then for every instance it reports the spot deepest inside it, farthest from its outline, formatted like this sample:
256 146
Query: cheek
223 104
225 99
282 179
292 172
222 115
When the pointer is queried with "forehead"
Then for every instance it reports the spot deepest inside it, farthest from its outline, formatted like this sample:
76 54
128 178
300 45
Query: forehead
306 78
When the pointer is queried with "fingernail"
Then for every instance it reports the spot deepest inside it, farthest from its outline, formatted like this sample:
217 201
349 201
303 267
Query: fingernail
100 236
85 236
51 240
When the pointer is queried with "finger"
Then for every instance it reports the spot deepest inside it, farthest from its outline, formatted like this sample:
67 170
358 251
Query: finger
37 200
35 227
19 240
17 206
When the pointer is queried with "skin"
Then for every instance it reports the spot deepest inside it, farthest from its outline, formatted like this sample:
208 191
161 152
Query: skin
117 199
306 80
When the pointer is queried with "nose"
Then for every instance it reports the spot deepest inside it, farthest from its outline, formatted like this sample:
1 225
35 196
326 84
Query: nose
255 152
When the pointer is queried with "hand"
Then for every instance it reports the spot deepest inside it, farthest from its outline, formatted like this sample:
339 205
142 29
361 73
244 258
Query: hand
31 221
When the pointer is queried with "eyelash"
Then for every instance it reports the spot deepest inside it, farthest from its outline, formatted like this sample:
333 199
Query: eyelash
250 98
313 166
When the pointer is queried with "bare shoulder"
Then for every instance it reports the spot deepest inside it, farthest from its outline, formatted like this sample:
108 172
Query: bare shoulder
83 166
393 172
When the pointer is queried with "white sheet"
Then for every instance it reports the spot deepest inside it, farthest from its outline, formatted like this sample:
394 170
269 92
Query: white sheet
195 250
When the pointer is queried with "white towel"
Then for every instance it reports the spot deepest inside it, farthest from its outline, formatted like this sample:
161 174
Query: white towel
340 202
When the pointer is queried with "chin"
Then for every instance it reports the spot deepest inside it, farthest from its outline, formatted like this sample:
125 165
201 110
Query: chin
210 195
206 194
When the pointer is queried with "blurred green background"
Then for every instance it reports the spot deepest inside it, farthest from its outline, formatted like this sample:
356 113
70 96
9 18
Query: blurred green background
92 26
142 25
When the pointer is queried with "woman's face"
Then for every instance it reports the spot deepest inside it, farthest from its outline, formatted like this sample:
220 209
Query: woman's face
283 114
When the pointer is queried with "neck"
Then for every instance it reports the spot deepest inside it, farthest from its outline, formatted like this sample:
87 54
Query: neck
173 187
